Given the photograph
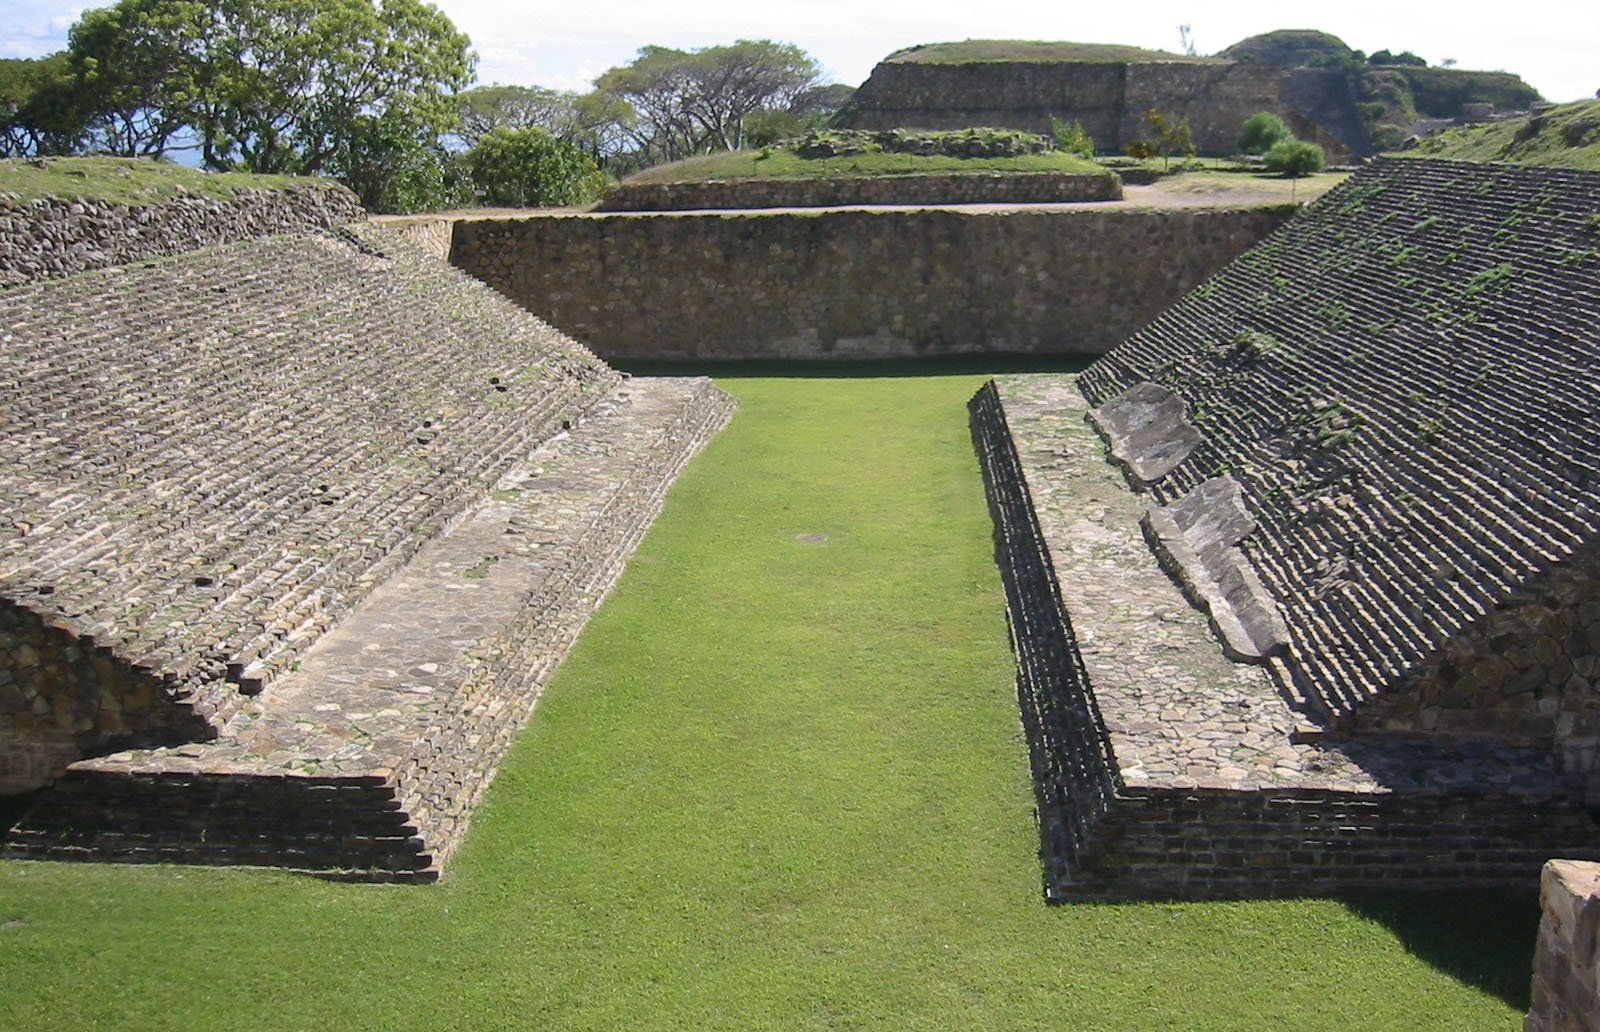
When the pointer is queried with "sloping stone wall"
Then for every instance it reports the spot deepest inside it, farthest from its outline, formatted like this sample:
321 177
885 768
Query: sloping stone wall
55 236
965 188
854 283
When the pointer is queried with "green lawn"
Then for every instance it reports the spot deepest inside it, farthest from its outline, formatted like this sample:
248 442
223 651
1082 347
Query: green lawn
786 164
127 180
780 784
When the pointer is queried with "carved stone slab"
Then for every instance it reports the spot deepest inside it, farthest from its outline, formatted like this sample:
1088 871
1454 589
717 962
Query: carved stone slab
1147 429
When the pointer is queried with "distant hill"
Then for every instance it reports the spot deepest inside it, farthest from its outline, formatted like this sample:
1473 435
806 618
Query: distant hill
1566 136
1022 50
1291 48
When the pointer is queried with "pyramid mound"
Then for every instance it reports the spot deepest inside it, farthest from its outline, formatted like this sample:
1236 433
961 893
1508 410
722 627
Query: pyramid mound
215 458
1349 608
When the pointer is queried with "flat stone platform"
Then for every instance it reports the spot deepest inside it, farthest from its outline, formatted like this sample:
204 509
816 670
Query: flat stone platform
1165 769
366 759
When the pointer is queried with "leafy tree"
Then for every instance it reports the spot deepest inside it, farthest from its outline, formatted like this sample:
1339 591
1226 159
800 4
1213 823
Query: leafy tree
810 111
485 108
1071 138
1167 137
531 168
265 85
1295 158
685 102
39 110
1260 131
1405 57
397 165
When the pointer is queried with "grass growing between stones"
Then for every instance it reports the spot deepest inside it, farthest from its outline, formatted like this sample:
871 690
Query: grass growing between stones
780 784
786 164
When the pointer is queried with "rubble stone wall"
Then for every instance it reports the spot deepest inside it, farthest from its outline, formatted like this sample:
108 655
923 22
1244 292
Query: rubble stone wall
62 236
1524 675
1566 962
998 188
854 283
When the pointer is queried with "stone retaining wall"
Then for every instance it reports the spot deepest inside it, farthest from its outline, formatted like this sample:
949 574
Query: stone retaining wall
431 235
1566 963
956 188
855 283
56 236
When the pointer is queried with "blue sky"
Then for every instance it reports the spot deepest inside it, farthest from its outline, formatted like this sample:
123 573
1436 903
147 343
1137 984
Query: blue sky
1556 49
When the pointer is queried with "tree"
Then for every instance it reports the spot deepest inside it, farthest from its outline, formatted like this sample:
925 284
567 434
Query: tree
265 85
1071 138
39 110
1295 158
1260 131
531 168
486 108
1405 57
686 102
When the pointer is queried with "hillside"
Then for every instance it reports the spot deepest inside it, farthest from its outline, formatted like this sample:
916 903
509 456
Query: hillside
1567 136
1290 48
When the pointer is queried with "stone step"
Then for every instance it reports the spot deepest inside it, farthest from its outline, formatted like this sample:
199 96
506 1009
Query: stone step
367 759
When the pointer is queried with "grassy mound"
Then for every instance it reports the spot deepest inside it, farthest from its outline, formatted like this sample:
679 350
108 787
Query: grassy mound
1567 136
1291 48
779 784
974 51
783 163
133 181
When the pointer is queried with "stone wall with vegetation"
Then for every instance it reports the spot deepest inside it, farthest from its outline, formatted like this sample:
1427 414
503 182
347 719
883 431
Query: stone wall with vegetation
60 236
1109 100
956 188
857 283
1566 962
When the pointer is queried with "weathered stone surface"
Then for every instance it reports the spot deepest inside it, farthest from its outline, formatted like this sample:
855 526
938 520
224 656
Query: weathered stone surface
956 188
855 283
1566 975
1164 769
1147 429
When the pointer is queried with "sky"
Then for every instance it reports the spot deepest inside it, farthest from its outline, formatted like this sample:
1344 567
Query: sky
1554 45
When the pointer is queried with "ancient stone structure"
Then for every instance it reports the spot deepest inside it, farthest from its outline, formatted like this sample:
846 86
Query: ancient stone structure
855 283
1109 99
295 528
1364 453
1566 963
957 188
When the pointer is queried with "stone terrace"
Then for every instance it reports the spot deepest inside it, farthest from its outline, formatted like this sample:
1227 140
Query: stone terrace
213 459
1398 390
1164 769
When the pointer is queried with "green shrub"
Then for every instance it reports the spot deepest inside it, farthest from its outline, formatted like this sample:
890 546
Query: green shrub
1295 158
531 168
1261 132
1071 138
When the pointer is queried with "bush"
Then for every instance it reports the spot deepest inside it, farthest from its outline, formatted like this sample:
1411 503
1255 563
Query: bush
1070 138
1261 131
529 168
1295 158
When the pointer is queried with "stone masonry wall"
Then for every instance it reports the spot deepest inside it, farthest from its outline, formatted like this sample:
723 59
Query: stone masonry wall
854 283
1524 675
1566 962
1010 188
431 235
61 697
56 236
1109 100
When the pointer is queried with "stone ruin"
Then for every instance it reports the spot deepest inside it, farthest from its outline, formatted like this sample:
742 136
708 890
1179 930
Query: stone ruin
1328 617
296 519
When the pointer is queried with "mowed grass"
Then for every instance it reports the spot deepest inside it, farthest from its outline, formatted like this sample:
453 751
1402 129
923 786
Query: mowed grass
779 784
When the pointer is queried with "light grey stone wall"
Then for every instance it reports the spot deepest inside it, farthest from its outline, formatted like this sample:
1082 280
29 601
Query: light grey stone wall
858 283
61 236
963 188
1566 963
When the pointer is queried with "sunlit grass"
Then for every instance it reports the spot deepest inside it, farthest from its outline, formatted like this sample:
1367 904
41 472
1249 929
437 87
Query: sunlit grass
780 784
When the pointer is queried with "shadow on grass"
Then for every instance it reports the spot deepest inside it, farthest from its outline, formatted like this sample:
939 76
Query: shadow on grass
940 365
1482 939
